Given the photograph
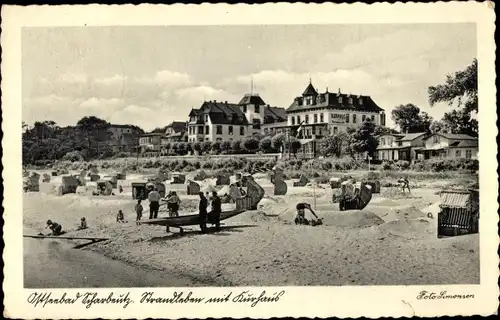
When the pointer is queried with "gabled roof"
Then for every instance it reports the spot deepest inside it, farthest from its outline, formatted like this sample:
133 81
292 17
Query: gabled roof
253 98
274 113
465 144
223 113
310 91
178 126
337 101
412 136
456 136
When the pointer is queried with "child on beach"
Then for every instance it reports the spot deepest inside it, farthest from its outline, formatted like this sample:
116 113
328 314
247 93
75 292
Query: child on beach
138 211
83 224
119 217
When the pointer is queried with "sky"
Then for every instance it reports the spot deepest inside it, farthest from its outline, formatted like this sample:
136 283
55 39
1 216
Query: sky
150 76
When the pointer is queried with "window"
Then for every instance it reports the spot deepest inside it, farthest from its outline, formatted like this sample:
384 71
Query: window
382 141
207 129
458 153
206 118
382 119
335 130
315 118
321 117
230 130
200 130
244 109
363 118
313 130
360 101
298 119
435 139
256 109
400 143
256 124
242 131
468 154
350 100
340 99
373 118
353 118
219 129
293 121
347 118
307 118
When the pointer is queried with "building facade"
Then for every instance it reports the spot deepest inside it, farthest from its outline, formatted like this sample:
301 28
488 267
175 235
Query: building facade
449 146
400 146
223 121
123 138
150 142
330 113
176 132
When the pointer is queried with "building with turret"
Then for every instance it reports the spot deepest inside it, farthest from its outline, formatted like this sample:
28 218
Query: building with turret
225 121
329 113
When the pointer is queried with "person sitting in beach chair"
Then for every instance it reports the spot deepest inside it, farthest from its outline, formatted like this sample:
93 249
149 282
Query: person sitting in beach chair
119 217
301 215
83 224
55 227
405 184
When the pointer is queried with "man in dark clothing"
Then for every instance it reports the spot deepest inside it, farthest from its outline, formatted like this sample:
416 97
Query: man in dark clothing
216 210
301 214
203 212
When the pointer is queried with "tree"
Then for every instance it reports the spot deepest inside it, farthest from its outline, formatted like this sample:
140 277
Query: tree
278 141
175 147
251 144
189 147
167 147
181 149
459 91
335 144
409 118
226 146
197 147
236 146
216 147
94 130
266 145
362 140
438 126
206 146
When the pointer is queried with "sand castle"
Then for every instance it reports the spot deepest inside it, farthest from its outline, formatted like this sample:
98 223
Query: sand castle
280 187
303 181
192 188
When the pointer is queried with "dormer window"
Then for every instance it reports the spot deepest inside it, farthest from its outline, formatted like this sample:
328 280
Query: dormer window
256 109
360 101
340 99
206 118
350 100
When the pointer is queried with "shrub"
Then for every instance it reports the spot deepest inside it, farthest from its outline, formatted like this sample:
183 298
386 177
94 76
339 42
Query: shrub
73 156
251 144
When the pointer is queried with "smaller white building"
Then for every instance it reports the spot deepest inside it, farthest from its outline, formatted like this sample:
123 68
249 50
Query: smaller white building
449 146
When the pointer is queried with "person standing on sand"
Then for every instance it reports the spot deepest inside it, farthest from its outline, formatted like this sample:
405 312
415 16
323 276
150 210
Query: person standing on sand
174 202
203 212
216 210
154 203
138 210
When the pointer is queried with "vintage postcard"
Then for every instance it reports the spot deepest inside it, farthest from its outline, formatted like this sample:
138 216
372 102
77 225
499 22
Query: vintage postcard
275 160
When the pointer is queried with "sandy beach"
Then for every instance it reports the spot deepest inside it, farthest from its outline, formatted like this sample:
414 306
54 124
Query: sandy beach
393 241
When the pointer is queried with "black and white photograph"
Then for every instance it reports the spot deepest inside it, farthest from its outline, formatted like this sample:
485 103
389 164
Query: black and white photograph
251 155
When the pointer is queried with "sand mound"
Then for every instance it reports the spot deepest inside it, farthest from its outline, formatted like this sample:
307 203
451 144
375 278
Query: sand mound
409 228
384 202
409 212
351 219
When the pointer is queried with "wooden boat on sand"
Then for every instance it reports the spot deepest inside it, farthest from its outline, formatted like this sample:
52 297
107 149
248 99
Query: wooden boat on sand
192 219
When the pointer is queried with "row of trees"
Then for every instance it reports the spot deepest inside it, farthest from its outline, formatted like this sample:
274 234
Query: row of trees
460 92
45 141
